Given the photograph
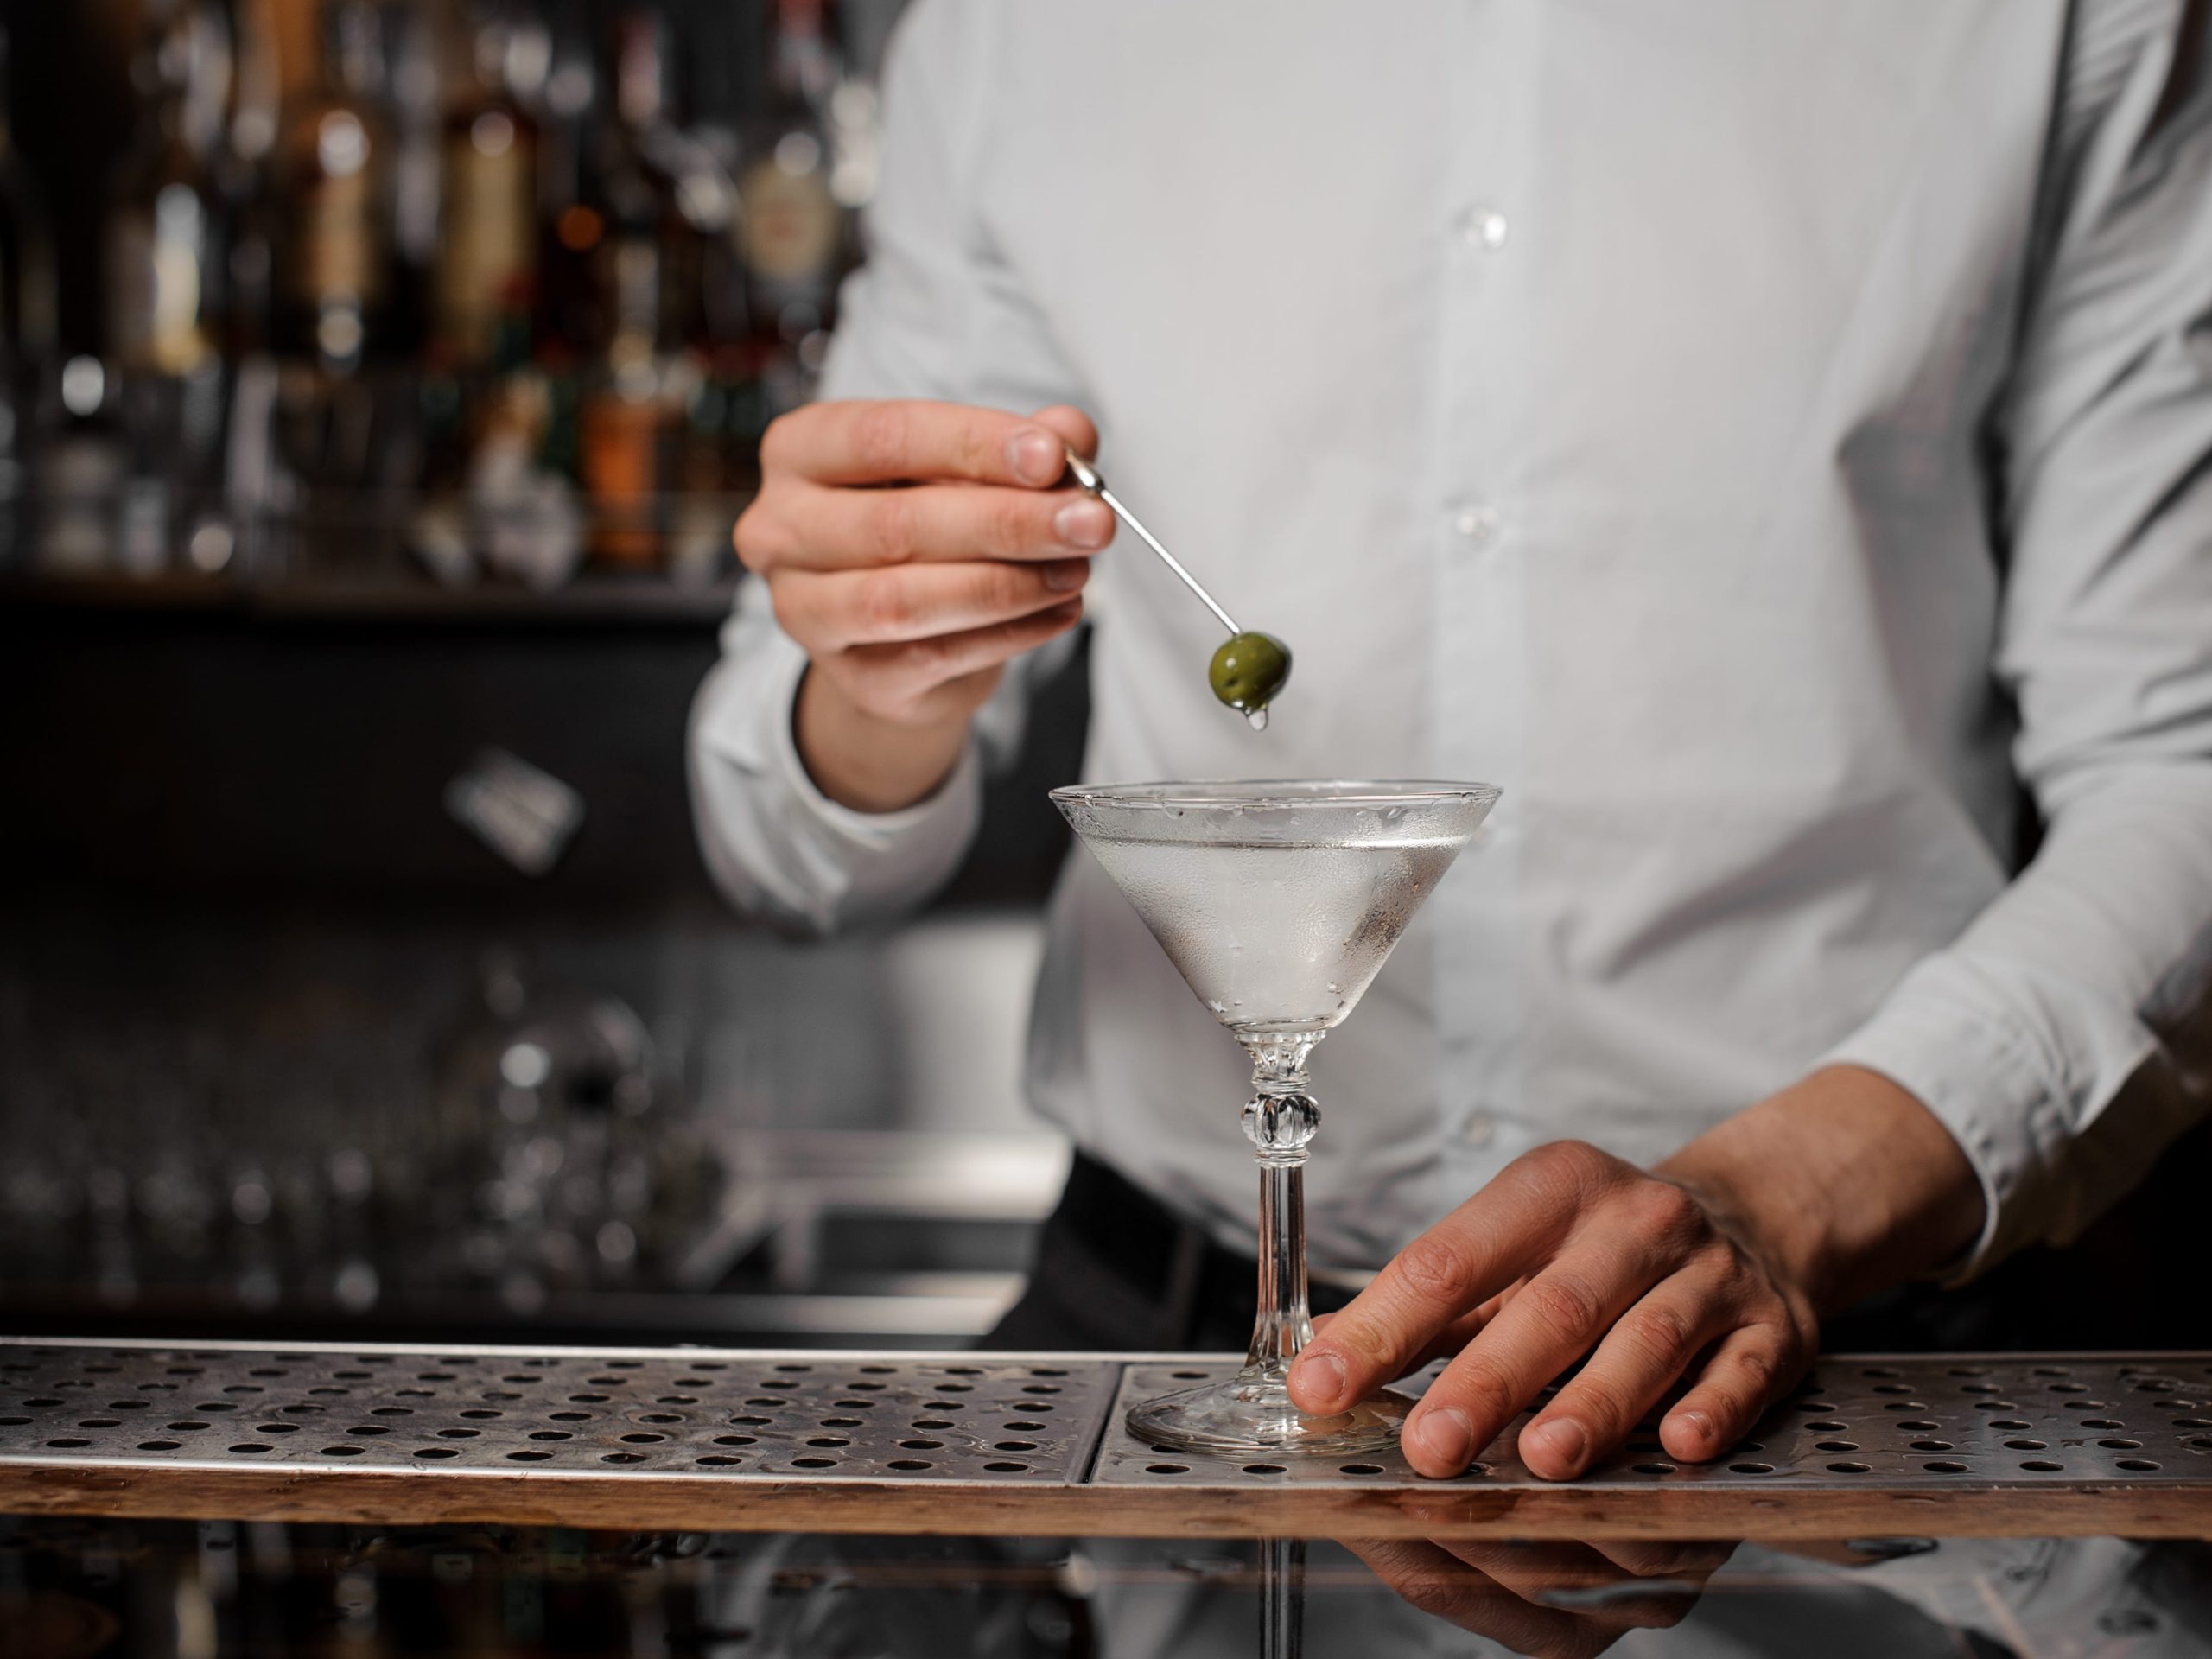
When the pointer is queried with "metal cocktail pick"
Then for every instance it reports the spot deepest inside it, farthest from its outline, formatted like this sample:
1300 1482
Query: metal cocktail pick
1247 672
1087 475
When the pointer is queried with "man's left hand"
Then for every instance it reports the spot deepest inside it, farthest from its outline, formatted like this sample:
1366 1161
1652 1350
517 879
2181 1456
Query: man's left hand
1567 1248
1709 1273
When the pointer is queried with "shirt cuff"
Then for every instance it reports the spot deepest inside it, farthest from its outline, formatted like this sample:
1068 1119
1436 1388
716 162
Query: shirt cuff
933 831
1984 1082
778 845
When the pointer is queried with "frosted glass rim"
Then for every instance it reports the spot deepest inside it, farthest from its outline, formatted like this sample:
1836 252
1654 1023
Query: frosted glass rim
1288 792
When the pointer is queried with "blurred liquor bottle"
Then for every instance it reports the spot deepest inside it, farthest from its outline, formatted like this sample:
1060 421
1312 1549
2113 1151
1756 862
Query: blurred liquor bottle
27 321
168 271
415 111
337 167
725 413
795 234
650 259
167 259
487 412
26 294
571 225
487 212
244 171
647 273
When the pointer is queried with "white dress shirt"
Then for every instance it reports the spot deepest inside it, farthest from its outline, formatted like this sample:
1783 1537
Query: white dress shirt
1767 438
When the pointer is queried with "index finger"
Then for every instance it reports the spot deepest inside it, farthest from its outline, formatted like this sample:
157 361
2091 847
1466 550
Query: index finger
1453 1267
905 440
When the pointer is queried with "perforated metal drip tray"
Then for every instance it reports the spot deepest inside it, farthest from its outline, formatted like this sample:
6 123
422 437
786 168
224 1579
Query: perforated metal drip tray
810 1416
1943 1445
2031 1422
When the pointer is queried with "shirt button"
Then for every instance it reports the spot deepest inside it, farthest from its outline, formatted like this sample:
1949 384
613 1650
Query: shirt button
1477 1129
1484 227
1475 523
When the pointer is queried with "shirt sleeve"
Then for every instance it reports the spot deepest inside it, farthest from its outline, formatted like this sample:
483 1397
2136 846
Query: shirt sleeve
2058 1036
935 313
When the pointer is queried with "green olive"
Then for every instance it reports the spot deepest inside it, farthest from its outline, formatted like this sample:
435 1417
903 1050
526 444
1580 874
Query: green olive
1250 672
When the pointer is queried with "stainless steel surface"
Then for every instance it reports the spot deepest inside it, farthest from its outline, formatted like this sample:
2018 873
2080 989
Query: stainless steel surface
1087 475
1921 1423
1034 1444
808 1416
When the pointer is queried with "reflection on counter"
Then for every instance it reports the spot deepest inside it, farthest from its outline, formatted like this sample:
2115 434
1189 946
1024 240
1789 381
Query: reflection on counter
211 1590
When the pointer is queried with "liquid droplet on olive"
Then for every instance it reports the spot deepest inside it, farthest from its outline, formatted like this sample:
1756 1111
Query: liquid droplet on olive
1249 672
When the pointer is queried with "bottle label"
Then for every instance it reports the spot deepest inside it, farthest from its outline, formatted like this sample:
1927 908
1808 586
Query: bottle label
636 287
485 266
792 224
156 288
338 246
131 289
621 469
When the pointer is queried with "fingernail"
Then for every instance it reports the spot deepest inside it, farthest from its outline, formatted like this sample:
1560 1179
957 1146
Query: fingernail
1564 1439
1065 575
1083 523
1699 1425
1320 1376
1036 457
1444 1436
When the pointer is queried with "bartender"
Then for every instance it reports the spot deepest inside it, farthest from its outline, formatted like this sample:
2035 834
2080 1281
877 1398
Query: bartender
1772 439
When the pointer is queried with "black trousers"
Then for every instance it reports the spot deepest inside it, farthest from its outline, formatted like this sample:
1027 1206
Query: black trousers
1115 1270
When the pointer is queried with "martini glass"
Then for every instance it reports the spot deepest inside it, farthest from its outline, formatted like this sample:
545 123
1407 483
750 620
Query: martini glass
1278 903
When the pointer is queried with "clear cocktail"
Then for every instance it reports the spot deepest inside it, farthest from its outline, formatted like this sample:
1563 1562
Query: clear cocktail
1278 903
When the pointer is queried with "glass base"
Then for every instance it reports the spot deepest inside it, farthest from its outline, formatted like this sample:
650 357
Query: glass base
1252 1413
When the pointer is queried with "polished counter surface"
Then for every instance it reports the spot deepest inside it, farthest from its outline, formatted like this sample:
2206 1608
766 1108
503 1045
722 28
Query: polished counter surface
74 1588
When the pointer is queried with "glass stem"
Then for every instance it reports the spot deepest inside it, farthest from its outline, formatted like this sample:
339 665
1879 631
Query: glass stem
1284 1323
1279 1119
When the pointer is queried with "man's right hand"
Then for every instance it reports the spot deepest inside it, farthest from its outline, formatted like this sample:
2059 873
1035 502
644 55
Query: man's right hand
913 549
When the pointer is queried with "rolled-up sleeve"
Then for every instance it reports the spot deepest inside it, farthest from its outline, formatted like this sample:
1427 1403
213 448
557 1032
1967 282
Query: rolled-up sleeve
935 312
2060 1037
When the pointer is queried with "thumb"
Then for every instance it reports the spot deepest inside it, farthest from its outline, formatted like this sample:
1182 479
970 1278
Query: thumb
1071 426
